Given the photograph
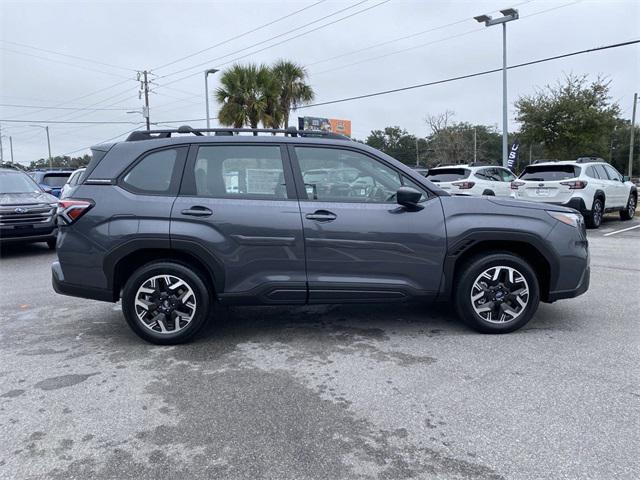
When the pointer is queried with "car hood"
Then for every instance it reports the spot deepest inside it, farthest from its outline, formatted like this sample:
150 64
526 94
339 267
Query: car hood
506 202
30 198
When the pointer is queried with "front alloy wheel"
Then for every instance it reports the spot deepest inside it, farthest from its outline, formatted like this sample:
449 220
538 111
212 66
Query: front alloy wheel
500 294
629 212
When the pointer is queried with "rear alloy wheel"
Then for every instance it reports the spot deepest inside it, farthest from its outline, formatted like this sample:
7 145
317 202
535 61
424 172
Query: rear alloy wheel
594 218
165 303
497 293
630 210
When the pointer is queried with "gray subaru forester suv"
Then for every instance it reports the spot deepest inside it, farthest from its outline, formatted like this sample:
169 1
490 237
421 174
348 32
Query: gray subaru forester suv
171 223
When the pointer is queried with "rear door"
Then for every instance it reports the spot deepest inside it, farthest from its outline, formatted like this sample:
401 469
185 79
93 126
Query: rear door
360 244
237 207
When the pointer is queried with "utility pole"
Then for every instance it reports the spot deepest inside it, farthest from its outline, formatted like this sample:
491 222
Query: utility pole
144 90
1 153
633 131
206 93
417 154
11 147
49 146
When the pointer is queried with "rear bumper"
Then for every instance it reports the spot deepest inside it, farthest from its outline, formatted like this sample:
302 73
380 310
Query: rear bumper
74 290
35 235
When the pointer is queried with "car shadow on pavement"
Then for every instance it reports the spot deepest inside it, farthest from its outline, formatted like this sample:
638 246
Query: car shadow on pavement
17 250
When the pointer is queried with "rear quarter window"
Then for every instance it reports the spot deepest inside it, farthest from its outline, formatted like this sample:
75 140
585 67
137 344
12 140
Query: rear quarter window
55 179
549 173
448 174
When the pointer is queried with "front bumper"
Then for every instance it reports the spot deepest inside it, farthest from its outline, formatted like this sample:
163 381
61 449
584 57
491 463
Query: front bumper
74 290
33 235
583 286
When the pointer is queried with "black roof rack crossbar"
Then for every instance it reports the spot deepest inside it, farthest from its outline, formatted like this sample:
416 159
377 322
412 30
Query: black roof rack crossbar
186 129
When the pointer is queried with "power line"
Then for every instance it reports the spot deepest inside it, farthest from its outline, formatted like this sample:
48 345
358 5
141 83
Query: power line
64 121
84 59
82 67
471 75
51 107
277 43
240 35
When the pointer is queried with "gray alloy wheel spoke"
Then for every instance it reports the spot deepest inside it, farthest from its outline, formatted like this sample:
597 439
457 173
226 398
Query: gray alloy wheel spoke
500 294
165 304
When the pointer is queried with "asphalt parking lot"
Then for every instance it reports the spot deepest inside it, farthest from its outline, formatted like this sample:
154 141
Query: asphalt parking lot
347 392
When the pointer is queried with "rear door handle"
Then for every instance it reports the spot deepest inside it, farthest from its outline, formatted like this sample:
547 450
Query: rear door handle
197 211
321 216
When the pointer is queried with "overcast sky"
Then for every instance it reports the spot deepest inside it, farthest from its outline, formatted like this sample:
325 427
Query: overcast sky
126 36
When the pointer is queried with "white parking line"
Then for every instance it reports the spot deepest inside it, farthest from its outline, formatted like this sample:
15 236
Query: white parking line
620 231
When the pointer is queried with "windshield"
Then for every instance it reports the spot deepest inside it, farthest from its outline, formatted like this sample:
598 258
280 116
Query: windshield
549 173
447 174
16 182
55 179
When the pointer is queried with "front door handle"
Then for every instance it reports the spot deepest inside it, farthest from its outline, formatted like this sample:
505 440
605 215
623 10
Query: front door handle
197 211
321 216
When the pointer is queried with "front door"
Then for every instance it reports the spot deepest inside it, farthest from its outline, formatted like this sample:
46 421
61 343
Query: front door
237 202
360 244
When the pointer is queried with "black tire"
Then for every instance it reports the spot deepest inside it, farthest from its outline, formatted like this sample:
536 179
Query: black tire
630 210
489 193
473 269
51 244
593 218
191 278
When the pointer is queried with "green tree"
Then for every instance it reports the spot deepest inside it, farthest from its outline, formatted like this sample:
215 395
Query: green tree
62 162
244 95
294 91
570 119
399 144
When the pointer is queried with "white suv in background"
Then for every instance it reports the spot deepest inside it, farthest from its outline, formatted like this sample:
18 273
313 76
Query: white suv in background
473 179
588 184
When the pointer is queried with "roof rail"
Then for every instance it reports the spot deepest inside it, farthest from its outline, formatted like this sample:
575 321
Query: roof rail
545 160
186 129
589 160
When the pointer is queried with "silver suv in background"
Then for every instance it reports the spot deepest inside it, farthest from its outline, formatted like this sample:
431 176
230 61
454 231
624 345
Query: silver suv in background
588 184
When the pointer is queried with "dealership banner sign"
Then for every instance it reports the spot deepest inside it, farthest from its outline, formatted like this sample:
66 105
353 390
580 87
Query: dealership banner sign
514 152
334 125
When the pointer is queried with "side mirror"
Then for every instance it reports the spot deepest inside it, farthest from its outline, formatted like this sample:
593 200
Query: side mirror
408 197
46 189
626 178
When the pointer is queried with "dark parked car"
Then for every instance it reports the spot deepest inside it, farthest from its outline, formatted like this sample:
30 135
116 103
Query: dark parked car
51 180
27 213
171 224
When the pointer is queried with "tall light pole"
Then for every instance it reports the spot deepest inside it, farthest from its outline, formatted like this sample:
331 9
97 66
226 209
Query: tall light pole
509 14
206 92
633 131
46 128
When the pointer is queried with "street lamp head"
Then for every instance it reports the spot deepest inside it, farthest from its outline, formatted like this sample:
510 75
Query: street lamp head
509 12
482 18
211 71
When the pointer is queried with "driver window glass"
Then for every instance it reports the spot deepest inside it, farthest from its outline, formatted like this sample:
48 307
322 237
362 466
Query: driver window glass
613 173
507 176
336 175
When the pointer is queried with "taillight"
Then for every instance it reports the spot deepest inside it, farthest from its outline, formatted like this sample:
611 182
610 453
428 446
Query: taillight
464 185
575 184
71 210
515 185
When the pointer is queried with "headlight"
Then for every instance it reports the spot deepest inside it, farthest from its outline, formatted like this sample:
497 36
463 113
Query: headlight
572 219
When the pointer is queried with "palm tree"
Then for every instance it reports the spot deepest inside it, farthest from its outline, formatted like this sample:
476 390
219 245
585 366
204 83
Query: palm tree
294 91
243 95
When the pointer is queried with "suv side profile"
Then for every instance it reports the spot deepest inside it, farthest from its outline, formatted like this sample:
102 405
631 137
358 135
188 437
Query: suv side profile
169 225
588 184
473 179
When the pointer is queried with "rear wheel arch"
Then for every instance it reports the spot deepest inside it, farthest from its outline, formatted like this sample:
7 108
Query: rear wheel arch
129 263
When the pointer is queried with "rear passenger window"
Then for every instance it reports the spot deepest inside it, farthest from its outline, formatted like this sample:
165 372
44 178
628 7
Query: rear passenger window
601 172
591 172
153 173
240 171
